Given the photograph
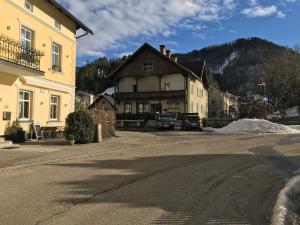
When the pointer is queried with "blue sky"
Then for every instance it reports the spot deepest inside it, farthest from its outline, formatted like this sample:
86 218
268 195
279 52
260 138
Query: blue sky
121 26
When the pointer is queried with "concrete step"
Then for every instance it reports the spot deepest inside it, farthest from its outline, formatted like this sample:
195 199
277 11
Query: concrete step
2 139
6 144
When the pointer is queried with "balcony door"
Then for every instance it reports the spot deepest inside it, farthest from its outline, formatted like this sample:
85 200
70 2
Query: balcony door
26 38
154 108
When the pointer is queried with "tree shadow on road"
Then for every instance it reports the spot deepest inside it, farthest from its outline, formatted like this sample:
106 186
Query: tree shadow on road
191 189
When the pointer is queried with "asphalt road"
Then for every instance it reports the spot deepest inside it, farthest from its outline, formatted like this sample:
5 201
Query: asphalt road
148 178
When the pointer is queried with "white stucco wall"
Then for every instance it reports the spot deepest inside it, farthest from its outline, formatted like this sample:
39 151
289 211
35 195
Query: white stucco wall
198 98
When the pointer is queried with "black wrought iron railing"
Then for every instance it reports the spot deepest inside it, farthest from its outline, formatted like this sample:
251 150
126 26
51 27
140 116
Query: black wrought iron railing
14 52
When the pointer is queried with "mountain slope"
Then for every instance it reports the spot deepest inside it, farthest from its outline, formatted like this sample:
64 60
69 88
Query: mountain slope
232 63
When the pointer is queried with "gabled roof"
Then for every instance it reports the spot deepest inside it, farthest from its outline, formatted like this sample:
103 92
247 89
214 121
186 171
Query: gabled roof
107 98
198 70
78 23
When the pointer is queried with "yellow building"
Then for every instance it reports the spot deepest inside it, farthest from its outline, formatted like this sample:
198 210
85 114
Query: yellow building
37 62
222 104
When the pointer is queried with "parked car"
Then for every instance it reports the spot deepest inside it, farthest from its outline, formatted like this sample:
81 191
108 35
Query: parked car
192 122
165 122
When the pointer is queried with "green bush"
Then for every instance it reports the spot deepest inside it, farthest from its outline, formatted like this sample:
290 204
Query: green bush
70 138
81 126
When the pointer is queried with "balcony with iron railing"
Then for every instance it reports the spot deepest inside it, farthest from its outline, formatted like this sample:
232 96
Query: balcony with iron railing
16 58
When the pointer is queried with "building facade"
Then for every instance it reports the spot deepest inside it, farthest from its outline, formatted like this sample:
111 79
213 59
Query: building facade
152 81
84 99
103 112
222 104
37 63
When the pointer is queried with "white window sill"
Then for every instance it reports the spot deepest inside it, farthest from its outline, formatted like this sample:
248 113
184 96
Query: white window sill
25 121
55 121
57 72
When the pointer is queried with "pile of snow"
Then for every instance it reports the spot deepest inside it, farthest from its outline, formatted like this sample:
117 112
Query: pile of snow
296 127
256 126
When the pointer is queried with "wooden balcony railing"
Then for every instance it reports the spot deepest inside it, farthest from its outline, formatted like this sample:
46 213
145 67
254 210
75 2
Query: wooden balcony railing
153 95
14 52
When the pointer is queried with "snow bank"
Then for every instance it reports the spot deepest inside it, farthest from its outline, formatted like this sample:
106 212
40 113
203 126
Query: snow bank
256 126
296 127
287 204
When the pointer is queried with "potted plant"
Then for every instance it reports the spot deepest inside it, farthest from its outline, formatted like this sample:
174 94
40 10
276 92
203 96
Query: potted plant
16 133
71 139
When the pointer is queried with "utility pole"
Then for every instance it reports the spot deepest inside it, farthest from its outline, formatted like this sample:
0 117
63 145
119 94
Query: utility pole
262 83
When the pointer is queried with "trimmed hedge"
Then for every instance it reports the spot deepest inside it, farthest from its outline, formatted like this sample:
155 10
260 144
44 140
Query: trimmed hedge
81 126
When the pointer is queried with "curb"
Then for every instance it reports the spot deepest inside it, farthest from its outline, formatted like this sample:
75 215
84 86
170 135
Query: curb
287 204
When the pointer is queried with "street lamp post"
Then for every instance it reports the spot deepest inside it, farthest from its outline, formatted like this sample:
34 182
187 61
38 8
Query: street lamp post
262 83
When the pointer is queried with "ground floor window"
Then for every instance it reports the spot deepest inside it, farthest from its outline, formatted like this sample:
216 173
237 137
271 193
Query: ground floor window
173 107
107 119
54 107
127 108
24 105
143 108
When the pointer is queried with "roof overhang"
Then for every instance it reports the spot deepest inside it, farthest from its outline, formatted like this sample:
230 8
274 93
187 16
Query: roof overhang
79 24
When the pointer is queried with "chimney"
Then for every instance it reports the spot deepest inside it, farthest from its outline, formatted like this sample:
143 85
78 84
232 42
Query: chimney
162 49
175 58
168 53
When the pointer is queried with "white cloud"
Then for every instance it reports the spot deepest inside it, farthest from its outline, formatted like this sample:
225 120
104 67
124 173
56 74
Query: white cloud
281 14
114 21
257 10
260 11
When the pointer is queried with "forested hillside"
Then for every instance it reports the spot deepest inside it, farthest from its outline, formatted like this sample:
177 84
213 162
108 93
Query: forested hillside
237 65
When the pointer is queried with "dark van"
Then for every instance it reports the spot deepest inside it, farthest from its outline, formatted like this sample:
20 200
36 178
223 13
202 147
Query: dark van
192 121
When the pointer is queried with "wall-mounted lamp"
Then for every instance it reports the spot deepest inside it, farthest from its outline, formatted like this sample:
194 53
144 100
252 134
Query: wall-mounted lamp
67 56
42 103
9 27
66 105
44 45
1 99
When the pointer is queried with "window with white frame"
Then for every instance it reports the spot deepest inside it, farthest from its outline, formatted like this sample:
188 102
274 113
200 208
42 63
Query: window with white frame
29 6
148 67
57 25
54 107
26 38
56 57
24 105
143 108
167 86
173 107
128 108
